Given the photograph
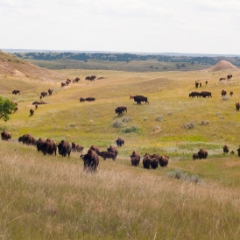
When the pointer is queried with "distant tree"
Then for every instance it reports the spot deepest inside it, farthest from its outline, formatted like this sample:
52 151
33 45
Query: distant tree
183 65
7 107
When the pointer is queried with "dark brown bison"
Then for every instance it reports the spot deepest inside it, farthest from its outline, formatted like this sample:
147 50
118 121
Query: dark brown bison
95 148
39 144
113 150
224 93
64 148
206 82
196 84
37 102
82 99
221 79
36 106
77 147
43 94
202 154
135 158
238 150
229 76
90 99
16 92
147 161
195 156
231 152
77 79
139 99
237 106
15 109
225 149
163 161
120 110
231 93
28 139
50 91
49 147
205 94
63 84
90 78
6 135
194 94
106 154
31 112
120 142
200 84
90 160
154 162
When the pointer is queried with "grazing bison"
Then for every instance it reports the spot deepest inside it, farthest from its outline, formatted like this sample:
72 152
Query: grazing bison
16 92
205 94
206 82
229 76
77 147
90 78
237 106
5 135
113 150
64 148
195 156
139 99
77 79
221 79
202 154
194 94
232 152
106 154
238 150
90 99
43 94
31 112
90 160
28 139
196 84
120 110
120 142
95 148
82 99
225 149
224 93
135 158
231 93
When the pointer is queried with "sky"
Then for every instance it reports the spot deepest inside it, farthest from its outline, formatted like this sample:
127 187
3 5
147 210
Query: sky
143 26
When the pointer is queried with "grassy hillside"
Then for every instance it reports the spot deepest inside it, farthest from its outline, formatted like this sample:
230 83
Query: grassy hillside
50 197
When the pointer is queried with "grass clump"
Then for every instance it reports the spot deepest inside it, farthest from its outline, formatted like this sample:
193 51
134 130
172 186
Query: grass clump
159 119
204 122
133 129
118 124
189 125
178 174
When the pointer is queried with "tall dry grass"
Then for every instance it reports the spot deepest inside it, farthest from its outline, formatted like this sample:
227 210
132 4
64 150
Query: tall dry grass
48 197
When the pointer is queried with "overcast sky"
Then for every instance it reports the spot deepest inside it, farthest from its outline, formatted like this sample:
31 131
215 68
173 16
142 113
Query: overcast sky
151 26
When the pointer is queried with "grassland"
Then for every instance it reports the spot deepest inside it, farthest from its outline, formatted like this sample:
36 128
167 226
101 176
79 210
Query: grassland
49 197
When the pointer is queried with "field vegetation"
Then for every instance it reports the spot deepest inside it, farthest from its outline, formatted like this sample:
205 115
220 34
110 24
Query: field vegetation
50 197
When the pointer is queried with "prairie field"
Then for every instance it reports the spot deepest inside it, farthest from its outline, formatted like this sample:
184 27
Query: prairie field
50 197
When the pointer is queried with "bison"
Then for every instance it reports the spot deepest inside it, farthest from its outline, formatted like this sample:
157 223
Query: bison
194 94
5 135
90 99
202 153
205 94
231 93
120 110
163 161
237 106
49 147
77 79
31 112
28 139
106 154
139 99
95 148
229 76
224 93
120 142
113 150
50 91
16 92
64 148
135 158
195 156
147 161
225 149
43 94
90 160
77 147
238 150
221 79
196 84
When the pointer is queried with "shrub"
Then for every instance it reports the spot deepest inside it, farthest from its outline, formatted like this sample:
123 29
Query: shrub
133 129
224 98
178 174
118 124
159 118
189 125
204 122
126 119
